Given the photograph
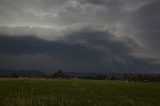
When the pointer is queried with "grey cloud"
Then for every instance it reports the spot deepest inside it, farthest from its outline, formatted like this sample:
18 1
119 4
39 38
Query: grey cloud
108 3
146 28
87 11
109 28
55 13
29 12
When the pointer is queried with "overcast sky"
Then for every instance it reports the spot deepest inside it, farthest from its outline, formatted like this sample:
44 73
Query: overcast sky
77 35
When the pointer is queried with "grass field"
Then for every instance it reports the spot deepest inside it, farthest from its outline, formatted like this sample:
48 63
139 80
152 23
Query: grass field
27 92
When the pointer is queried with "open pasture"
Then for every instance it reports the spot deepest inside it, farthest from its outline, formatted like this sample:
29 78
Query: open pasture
46 92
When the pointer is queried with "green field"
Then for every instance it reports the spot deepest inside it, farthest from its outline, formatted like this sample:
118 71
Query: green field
43 92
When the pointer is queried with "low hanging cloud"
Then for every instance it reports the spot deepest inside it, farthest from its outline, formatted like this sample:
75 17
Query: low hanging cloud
85 50
83 41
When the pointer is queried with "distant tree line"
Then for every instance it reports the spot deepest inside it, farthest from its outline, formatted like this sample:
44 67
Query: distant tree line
128 77
142 77
125 77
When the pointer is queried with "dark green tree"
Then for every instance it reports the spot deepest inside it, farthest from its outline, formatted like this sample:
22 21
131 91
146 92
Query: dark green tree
58 74
14 75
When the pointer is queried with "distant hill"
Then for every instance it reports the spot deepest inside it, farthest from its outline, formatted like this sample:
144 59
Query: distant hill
33 73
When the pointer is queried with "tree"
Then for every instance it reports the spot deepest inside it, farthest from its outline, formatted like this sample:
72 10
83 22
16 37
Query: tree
100 77
58 74
14 75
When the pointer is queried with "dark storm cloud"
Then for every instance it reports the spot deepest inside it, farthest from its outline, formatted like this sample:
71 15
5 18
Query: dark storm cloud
34 46
87 50
78 43
102 41
93 34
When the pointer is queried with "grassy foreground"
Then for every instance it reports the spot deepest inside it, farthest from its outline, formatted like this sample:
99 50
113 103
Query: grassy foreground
27 92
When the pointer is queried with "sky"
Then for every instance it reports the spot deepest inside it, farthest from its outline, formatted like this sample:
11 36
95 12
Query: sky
80 35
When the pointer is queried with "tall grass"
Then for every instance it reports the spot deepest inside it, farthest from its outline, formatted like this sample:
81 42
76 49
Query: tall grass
78 93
